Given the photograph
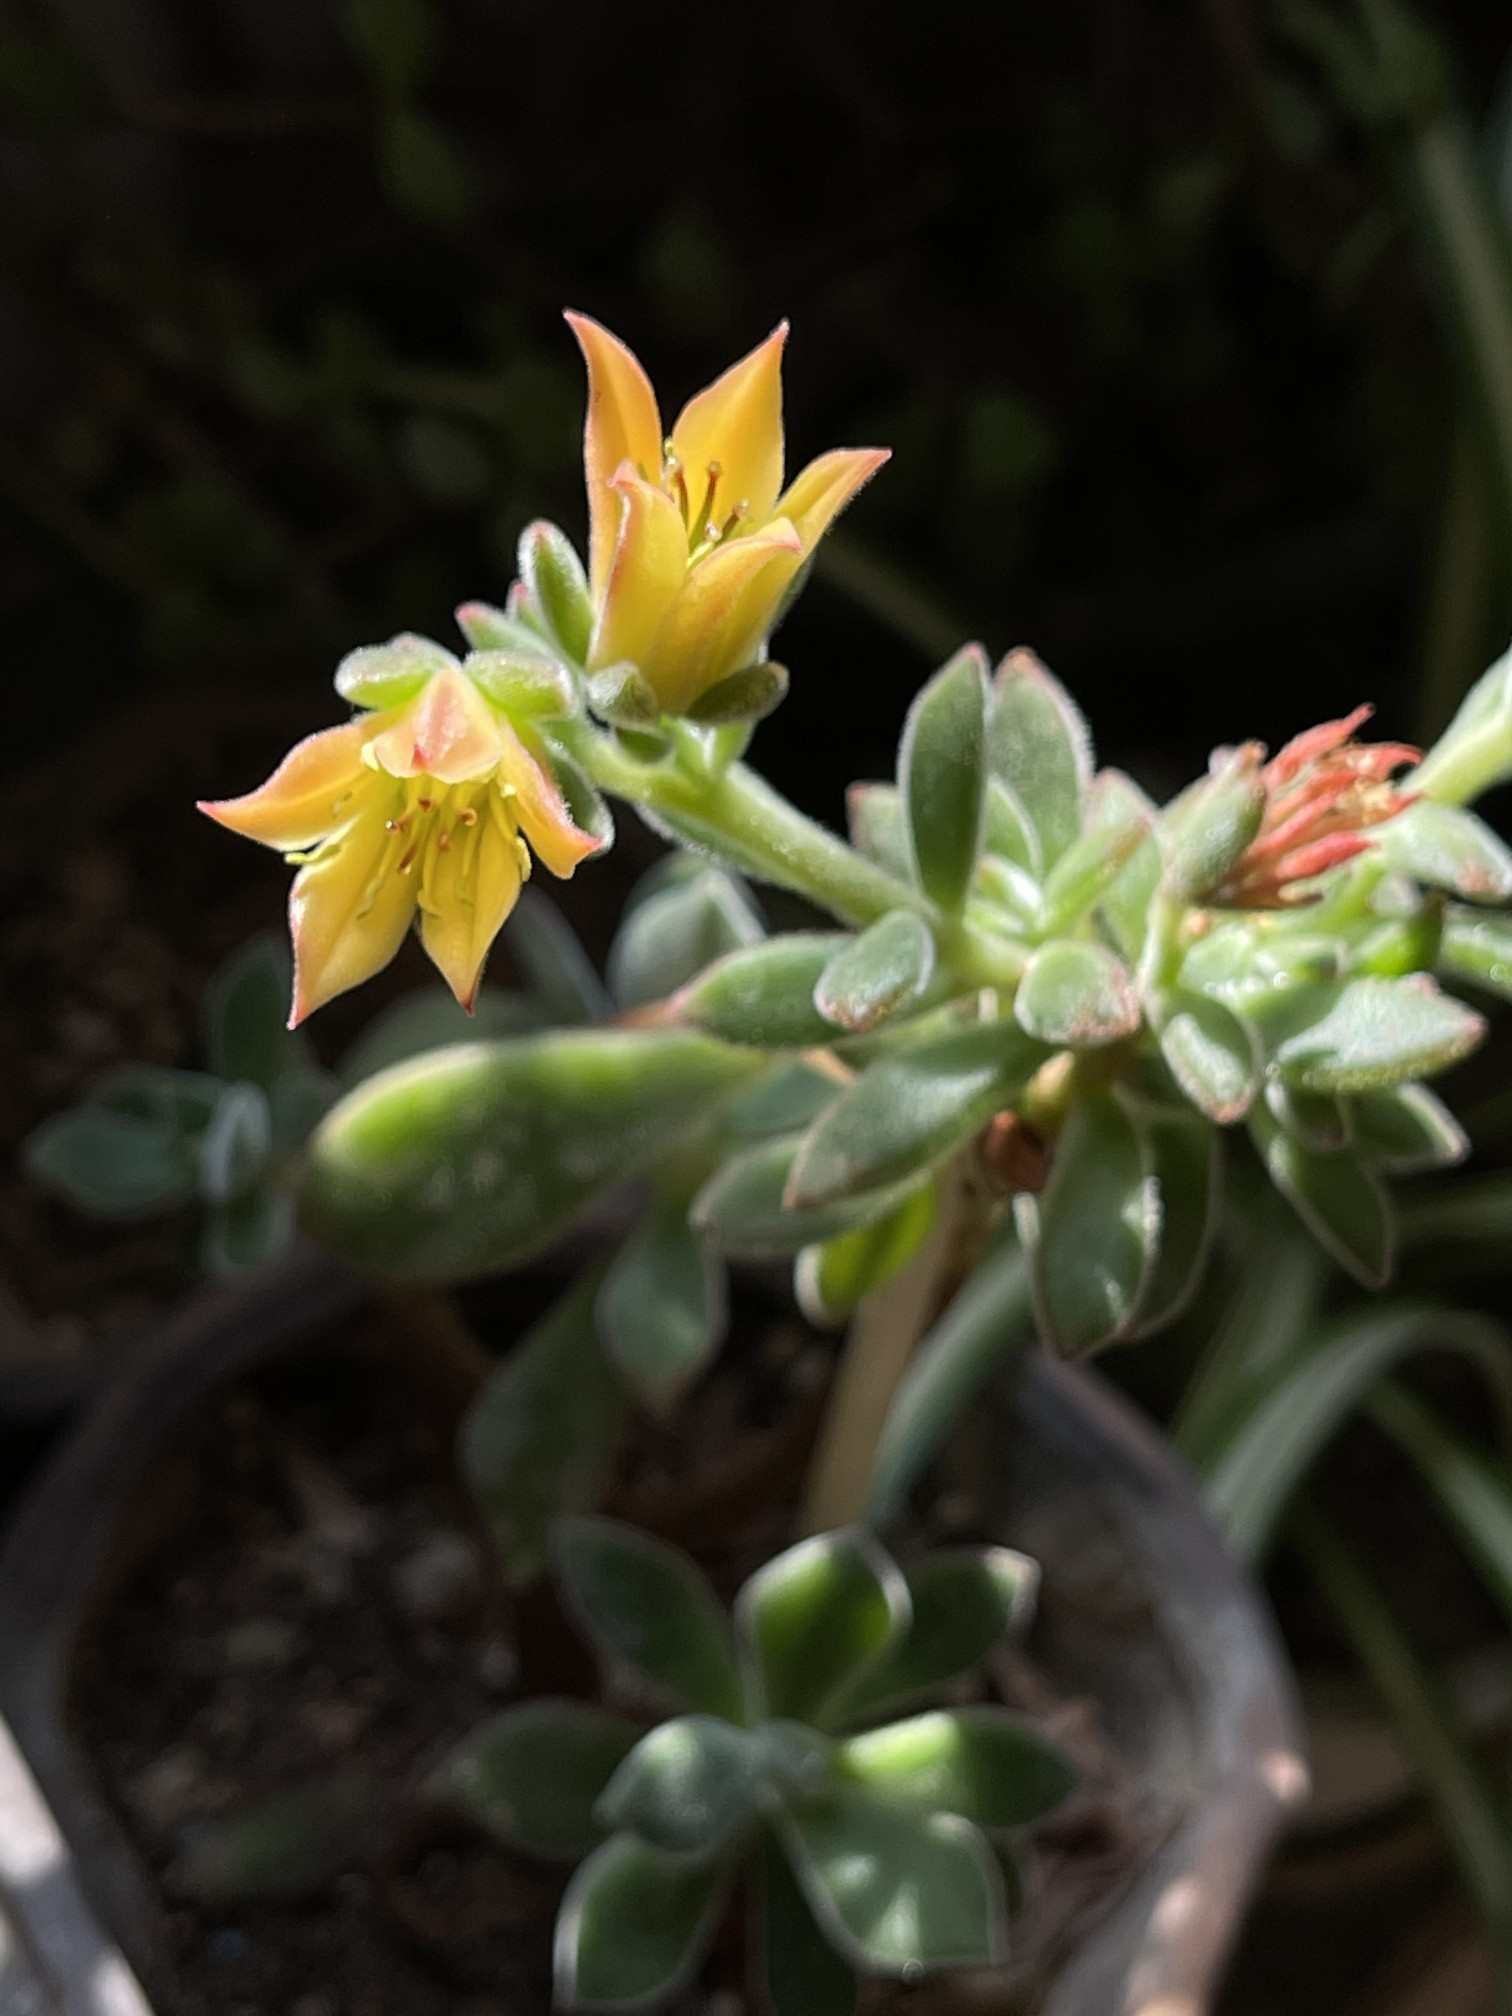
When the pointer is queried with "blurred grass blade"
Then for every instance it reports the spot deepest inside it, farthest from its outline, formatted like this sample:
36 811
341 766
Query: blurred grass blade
1473 1490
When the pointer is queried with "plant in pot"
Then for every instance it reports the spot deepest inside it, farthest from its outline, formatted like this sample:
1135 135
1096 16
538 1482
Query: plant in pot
998 1079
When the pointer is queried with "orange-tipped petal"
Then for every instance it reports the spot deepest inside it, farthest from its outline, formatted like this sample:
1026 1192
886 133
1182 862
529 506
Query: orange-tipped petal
469 890
541 809
348 913
818 494
649 566
624 425
725 609
448 731
736 422
308 795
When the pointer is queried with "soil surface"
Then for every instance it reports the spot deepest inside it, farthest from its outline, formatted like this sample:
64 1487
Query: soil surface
320 1612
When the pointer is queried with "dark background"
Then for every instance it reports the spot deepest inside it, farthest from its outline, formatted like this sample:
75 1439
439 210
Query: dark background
1132 289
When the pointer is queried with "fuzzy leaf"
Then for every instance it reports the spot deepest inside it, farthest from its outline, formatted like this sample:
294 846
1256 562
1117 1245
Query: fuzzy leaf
1185 1157
1008 830
814 1619
471 1158
489 629
1338 1198
1405 1129
942 777
684 926
383 675
1449 849
964 1601
647 1607
557 585
801 1974
633 1926
1093 1234
1319 1120
907 1112
663 1308
622 696
1212 1055
524 682
764 994
1125 908
246 1011
867 978
898 1893
430 1019
539 1438
1038 743
109 1164
832 1279
1076 995
1116 827
550 959
746 697
533 1775
742 1207
1209 827
1377 1033
878 827
686 1786
1477 946
982 1763
788 1097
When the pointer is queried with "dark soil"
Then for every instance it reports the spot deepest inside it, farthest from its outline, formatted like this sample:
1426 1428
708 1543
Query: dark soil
327 1607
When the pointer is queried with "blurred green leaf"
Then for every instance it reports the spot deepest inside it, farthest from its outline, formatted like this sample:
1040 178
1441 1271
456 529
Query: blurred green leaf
1213 1055
663 1308
687 1786
533 1775
812 1621
1449 849
1406 1129
1377 1033
111 1165
743 1209
800 1972
942 777
1339 1198
683 926
866 978
1185 1156
1076 995
764 993
1040 746
983 1763
878 826
1093 1234
633 1926
246 1009
963 1602
833 1278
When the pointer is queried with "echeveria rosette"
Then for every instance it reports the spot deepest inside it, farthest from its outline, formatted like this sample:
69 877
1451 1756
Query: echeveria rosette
796 1756
431 801
694 544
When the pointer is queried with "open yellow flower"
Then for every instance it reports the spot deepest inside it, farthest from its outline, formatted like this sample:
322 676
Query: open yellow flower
425 806
694 543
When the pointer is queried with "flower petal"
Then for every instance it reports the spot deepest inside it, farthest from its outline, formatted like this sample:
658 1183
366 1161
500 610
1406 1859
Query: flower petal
819 493
624 425
540 807
469 890
349 911
736 422
305 798
725 609
649 566
448 731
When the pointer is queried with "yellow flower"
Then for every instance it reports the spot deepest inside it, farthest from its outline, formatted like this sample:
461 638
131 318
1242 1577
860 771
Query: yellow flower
694 542
415 806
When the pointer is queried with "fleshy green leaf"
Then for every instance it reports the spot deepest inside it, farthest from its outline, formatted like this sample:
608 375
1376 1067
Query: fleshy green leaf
1449 849
764 994
525 683
1210 825
286 1846
246 1010
430 1019
1038 743
786 1098
878 828
1185 1157
1406 1129
687 1786
1125 906
1093 1234
623 696
1339 1199
235 1146
907 1112
111 1165
533 1775
867 978
647 1607
676 932
942 777
742 1207
587 807
983 1763
831 1279
1076 995
539 1439
801 1974
663 1308
814 1619
556 583
384 675
1477 946
1377 1033
550 959
489 629
1213 1056
471 1158
898 1893
633 1926
747 696
1116 827
1319 1120
964 1601
1008 830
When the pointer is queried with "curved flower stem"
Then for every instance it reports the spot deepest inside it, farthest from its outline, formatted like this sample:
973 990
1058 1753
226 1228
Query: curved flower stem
737 815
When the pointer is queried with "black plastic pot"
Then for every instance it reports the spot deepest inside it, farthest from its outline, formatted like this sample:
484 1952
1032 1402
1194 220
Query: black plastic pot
1142 1611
